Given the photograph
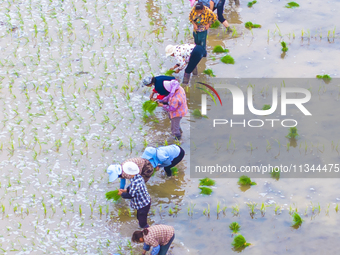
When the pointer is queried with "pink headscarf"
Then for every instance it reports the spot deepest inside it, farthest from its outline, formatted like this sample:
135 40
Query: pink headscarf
170 86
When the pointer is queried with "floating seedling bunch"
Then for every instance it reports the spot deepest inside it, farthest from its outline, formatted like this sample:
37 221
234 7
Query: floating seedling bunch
227 59
292 5
245 181
250 25
284 46
293 133
206 182
220 49
250 4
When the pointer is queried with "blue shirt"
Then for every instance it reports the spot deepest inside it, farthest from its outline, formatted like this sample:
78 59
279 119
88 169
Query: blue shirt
166 154
159 87
207 2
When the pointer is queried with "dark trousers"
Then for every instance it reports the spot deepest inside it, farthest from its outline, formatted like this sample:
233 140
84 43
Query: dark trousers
164 248
142 216
201 39
220 10
175 162
196 55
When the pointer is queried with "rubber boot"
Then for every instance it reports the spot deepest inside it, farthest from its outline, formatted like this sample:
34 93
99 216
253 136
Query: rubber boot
186 78
195 72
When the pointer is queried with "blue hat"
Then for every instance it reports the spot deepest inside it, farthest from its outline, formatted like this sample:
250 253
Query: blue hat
114 171
146 81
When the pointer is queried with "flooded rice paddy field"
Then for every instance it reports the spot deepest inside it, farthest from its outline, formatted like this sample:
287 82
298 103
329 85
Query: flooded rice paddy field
71 104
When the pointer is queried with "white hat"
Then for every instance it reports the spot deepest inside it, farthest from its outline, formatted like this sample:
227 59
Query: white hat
130 168
114 171
169 50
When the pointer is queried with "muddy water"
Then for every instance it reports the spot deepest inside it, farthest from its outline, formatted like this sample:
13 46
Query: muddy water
70 75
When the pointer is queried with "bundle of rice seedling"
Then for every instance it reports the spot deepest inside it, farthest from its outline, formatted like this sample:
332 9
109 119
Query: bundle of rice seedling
209 72
240 242
292 5
292 133
245 180
207 182
234 226
174 171
197 113
250 4
205 190
276 173
220 49
228 60
169 72
297 221
250 25
149 106
266 107
216 24
113 195
284 47
324 77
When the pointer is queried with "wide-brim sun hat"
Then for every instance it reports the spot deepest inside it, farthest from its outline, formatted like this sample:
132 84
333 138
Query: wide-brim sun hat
114 171
130 168
169 50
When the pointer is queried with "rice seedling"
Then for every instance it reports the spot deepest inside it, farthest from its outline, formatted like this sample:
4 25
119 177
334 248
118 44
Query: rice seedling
220 49
336 208
250 25
235 227
206 182
227 59
252 207
284 46
235 210
216 24
209 72
240 242
205 190
292 5
171 212
297 221
174 171
149 106
277 209
112 195
245 180
275 174
292 133
250 4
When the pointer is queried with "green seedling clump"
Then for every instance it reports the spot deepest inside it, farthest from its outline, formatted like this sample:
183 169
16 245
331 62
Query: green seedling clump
220 49
174 171
112 195
284 47
207 182
234 226
250 25
197 113
209 72
205 190
240 242
297 221
324 77
266 107
149 106
245 180
169 72
292 5
292 133
228 60
216 24
276 173
250 4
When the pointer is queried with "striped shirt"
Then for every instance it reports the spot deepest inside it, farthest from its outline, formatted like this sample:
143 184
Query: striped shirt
159 235
144 165
177 104
139 193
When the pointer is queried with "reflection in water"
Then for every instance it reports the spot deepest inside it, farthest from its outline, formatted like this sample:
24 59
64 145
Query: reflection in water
154 14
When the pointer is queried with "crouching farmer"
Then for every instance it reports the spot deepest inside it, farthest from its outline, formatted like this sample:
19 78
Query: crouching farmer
159 237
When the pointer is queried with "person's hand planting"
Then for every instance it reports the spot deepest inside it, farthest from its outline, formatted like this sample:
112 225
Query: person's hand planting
160 104
121 191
